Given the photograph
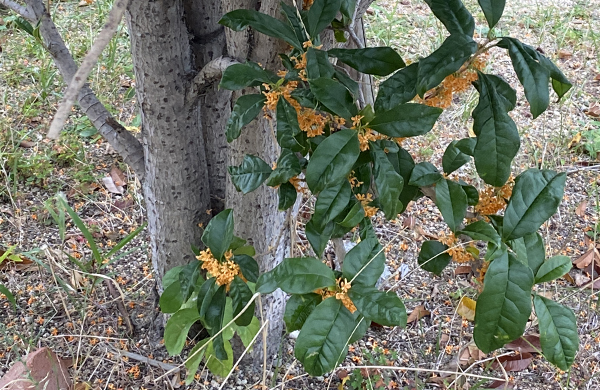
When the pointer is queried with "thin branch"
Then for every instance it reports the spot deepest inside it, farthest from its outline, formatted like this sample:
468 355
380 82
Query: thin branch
90 60
18 8
210 73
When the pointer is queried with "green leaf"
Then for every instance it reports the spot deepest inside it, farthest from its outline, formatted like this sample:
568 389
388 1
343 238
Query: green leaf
177 329
171 300
246 108
388 182
220 367
361 326
171 276
248 266
467 145
424 174
553 268
332 161
219 233
347 82
241 18
535 198
293 17
558 332
320 15
213 318
530 250
188 278
406 120
303 275
560 83
379 61
493 10
250 74
323 340
334 96
400 88
453 53
507 96
317 64
453 158
331 202
385 308
532 75
297 310
250 174
287 126
454 15
287 196
288 166
433 257
366 260
472 193
318 238
240 295
193 361
482 231
504 306
247 333
354 216
267 282
9 296
498 139
451 199
347 10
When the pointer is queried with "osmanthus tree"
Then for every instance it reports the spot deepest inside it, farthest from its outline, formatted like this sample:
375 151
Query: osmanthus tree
349 155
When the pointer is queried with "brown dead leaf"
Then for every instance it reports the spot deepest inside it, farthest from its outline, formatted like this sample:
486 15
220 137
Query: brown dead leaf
513 362
418 313
15 261
118 176
564 54
593 111
529 343
470 354
26 144
409 222
586 258
444 338
502 385
111 186
580 210
342 374
462 270
466 308
569 278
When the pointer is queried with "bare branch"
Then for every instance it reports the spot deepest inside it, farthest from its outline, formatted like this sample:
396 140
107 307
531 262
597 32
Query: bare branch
207 75
90 60
124 143
18 8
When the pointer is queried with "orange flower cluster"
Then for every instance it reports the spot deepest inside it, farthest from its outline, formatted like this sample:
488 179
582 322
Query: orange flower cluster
273 95
224 272
297 183
307 3
364 134
458 252
482 271
370 211
340 293
354 181
458 82
492 199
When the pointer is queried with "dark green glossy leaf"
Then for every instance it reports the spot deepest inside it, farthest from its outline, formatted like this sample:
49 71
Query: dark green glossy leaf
347 82
385 308
400 88
205 294
303 275
216 366
558 332
366 260
360 327
472 193
507 96
334 96
433 257
535 198
379 61
553 268
219 233
287 126
388 182
347 8
560 83
453 158
498 139
292 15
406 120
424 174
504 306
213 320
236 243
532 75
530 250
467 145
241 18
297 310
451 199
493 10
454 15
287 196
188 277
317 64
246 108
248 266
481 231
250 74
177 329
267 282
318 237
324 338
406 165
171 300
250 174
287 167
320 15
331 202
332 161
453 53
240 296
354 216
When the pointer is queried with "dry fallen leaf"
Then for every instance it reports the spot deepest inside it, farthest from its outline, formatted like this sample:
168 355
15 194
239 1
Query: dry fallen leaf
118 176
111 186
529 343
418 313
502 385
586 258
513 362
580 210
462 270
466 308
470 354
564 54
26 144
575 140
593 111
